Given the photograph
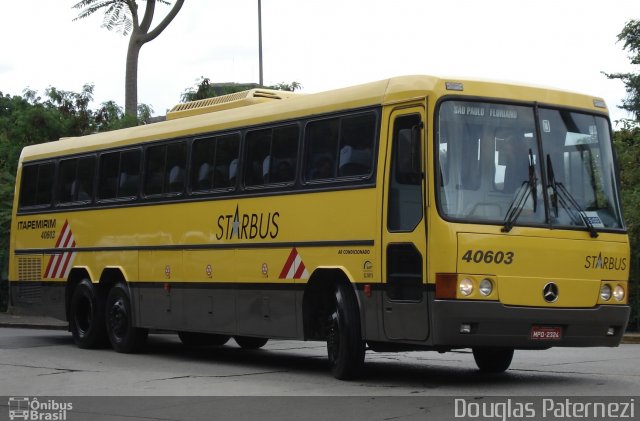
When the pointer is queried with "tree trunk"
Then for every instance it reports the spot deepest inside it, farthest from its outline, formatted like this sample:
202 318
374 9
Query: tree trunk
131 76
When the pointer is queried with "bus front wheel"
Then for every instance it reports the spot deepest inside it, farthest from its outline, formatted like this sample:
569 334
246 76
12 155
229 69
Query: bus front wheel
493 359
124 337
86 316
250 342
196 339
345 347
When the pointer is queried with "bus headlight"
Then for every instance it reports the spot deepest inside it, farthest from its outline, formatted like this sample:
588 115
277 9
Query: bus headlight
605 292
486 287
618 293
466 286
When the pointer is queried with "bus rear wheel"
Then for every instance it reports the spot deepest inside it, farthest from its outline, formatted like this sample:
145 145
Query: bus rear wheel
196 339
250 342
124 337
493 359
86 316
345 347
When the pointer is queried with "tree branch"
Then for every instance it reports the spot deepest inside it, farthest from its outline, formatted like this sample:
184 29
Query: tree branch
162 25
133 8
148 16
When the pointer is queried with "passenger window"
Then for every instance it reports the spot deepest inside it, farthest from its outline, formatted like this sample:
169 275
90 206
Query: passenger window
214 162
75 180
108 179
284 151
165 169
36 185
226 161
322 149
257 158
357 137
129 174
174 173
119 174
340 147
271 156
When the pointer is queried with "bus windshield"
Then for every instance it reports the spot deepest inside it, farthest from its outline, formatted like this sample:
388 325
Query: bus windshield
490 166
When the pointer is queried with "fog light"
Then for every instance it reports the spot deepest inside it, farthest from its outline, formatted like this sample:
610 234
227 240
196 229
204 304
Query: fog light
465 328
618 293
486 287
611 331
605 292
466 286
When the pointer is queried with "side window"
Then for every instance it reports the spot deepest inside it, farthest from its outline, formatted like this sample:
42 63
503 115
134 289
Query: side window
165 169
405 182
36 185
154 170
75 180
340 147
129 176
321 142
257 158
284 151
214 162
357 137
271 156
226 161
175 169
119 174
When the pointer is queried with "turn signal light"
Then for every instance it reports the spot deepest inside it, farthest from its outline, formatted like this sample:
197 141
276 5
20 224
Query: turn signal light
446 286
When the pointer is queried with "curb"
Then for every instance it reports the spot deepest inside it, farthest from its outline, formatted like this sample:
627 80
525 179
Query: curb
20 325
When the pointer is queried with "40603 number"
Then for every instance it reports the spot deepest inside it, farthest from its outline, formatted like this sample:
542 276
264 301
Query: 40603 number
488 257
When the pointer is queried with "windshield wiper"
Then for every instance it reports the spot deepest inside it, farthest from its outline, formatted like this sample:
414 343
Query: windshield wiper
528 188
560 194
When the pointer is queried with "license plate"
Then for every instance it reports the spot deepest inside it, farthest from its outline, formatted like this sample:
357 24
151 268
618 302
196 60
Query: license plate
546 333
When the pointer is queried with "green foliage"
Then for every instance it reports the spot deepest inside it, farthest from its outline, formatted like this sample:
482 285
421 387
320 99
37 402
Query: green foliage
117 14
204 89
627 145
291 87
631 37
29 119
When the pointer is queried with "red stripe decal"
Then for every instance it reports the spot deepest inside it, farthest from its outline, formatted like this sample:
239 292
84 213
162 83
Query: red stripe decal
287 265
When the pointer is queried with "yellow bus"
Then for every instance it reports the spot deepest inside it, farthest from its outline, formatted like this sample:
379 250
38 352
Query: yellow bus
410 213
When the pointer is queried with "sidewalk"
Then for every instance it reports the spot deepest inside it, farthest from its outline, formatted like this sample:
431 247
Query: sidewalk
31 322
35 322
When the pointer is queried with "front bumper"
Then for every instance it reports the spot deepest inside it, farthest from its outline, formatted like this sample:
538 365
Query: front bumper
494 324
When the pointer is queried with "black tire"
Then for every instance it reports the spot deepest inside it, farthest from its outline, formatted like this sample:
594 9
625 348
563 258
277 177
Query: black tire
345 347
195 339
124 337
493 359
86 316
250 342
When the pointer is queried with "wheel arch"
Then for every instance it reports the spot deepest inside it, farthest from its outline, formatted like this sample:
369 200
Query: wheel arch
76 275
318 296
111 275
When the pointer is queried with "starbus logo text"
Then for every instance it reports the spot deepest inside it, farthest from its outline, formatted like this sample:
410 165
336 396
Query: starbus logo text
248 226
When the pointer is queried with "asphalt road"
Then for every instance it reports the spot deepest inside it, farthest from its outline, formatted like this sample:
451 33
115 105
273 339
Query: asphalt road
47 363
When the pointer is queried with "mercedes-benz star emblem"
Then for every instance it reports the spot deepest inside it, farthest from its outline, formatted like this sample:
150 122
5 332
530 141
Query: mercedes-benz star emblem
550 292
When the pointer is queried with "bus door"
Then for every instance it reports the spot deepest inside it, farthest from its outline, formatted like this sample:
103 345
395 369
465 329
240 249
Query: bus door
404 226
